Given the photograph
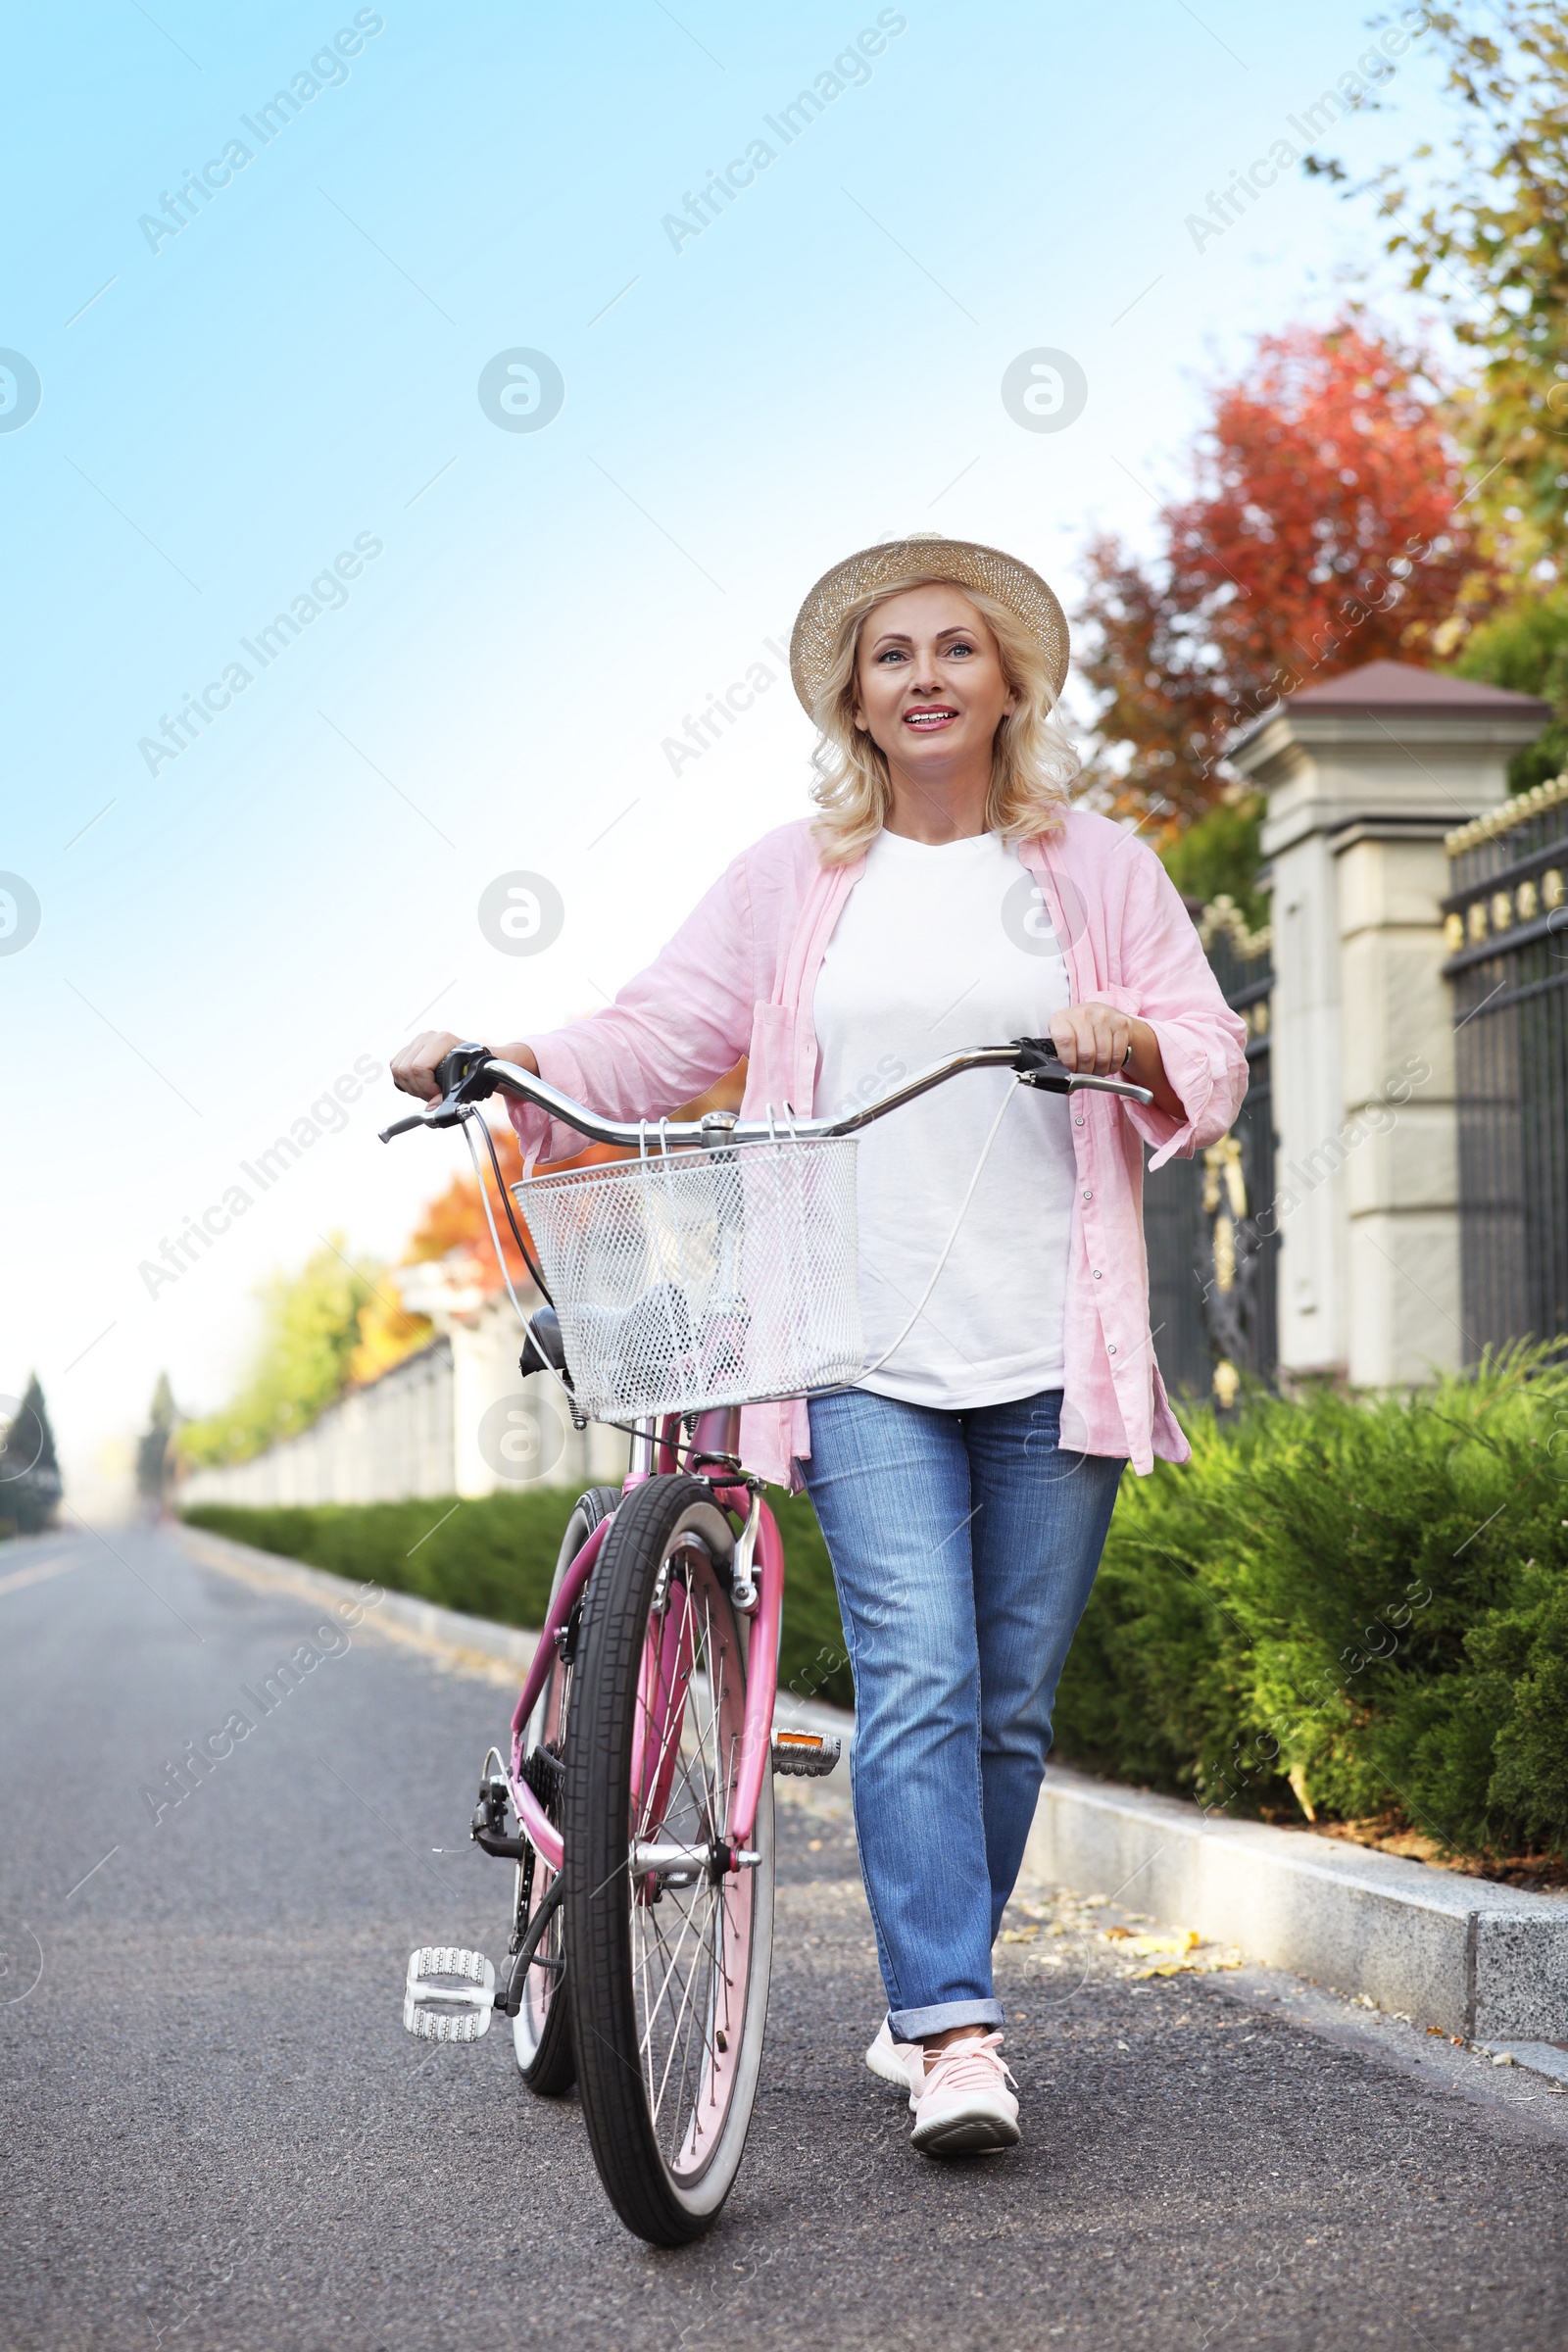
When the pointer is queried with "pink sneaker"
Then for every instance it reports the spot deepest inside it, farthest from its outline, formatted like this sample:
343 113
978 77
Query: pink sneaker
890 2061
963 2107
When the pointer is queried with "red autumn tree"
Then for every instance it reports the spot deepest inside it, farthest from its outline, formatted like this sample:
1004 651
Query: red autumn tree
1323 531
455 1219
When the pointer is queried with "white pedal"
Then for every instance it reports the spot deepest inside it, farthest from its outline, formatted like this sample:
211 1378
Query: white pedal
805 1755
448 1995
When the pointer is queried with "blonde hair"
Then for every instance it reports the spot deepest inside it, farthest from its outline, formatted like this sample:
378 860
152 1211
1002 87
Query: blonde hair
1033 761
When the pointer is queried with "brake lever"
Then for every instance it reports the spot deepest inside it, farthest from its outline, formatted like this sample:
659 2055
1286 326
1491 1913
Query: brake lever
463 1080
1040 1065
1035 1054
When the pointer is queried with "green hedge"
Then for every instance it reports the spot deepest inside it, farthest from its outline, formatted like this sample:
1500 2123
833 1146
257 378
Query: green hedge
1360 1608
1357 1608
494 1556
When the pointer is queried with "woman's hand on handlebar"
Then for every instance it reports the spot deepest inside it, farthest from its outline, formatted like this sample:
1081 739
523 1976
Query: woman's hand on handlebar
412 1069
1098 1039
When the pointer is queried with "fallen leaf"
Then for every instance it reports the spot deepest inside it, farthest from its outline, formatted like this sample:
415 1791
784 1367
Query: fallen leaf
1184 1967
1018 1934
1117 1934
1179 1939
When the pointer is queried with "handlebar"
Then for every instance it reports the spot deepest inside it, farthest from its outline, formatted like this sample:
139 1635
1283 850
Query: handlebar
468 1074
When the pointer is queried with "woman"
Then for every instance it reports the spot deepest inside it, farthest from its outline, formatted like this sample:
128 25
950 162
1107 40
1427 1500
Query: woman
945 896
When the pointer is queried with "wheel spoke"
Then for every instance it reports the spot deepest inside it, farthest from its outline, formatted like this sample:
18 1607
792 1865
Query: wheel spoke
675 2034
652 2008
676 1974
681 1978
699 2009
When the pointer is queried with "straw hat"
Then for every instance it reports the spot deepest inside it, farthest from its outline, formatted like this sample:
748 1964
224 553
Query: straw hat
924 554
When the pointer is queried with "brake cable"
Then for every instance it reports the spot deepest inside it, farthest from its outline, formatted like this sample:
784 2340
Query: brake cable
524 1250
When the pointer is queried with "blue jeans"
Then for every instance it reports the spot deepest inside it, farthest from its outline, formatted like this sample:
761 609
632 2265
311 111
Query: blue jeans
965 1546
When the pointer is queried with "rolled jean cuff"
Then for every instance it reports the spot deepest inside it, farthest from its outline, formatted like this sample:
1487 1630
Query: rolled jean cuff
911 2025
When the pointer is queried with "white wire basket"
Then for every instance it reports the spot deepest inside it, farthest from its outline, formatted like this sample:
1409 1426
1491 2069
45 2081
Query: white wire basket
695 1278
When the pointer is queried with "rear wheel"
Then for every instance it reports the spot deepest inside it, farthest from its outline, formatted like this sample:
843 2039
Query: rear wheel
541 2030
669 1972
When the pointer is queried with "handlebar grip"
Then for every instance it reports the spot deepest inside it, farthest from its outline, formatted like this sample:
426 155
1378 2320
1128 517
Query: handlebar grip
1033 1051
453 1067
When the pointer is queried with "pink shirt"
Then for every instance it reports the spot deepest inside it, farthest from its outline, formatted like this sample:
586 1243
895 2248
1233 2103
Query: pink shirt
739 977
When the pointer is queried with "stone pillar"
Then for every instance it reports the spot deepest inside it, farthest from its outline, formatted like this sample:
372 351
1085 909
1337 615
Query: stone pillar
1364 776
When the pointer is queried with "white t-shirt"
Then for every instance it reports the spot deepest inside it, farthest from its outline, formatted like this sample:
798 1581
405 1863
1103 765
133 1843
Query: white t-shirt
939 949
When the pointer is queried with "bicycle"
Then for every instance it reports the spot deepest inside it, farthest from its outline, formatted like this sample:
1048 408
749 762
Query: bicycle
635 1795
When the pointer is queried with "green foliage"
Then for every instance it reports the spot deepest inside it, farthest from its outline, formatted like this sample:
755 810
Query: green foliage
300 1367
1540 762
1220 855
1483 237
1364 1602
812 1660
494 1555
30 1470
1526 650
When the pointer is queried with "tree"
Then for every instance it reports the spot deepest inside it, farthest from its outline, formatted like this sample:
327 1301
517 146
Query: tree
1487 241
301 1365
30 1485
1322 531
1527 650
1219 855
153 1459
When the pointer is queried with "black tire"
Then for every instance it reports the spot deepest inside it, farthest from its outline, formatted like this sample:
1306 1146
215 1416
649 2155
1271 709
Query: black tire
668 2148
541 2031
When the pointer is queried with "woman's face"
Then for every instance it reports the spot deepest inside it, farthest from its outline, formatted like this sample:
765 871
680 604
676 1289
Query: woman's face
929 686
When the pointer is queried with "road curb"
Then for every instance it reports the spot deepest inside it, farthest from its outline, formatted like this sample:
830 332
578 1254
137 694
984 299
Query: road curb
1487 1962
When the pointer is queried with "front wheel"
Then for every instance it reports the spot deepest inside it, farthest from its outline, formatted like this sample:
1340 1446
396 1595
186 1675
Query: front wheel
669 1962
541 2030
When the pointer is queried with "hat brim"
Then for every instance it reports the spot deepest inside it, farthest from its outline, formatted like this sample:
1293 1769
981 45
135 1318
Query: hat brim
965 561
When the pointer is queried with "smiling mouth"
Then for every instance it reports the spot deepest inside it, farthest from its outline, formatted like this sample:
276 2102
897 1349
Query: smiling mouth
931 718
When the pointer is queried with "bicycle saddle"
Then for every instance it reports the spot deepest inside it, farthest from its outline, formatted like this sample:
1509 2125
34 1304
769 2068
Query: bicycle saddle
543 1350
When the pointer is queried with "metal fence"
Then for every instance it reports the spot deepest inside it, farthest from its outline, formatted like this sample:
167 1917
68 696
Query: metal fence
1212 1272
1508 928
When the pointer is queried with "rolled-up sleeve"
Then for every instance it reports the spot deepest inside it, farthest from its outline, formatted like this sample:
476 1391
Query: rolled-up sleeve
670 1033
1168 982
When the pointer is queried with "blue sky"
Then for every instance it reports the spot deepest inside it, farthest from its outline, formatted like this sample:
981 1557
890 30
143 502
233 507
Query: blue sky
234 410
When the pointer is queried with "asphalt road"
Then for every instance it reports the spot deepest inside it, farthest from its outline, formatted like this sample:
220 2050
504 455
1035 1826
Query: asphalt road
217 2133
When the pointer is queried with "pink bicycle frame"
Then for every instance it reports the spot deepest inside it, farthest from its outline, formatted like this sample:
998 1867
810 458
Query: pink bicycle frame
762 1684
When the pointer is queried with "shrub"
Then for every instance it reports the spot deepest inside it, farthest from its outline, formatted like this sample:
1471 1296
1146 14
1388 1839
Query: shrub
1359 1607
